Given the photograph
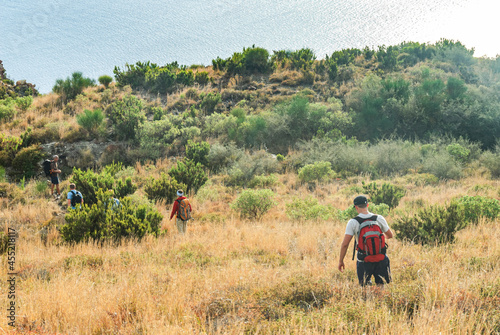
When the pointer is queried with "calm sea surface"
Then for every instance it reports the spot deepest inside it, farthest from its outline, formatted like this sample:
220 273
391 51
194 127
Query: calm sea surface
43 40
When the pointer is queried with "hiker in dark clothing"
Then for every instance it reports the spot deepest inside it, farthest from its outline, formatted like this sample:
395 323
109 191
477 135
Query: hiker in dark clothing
54 176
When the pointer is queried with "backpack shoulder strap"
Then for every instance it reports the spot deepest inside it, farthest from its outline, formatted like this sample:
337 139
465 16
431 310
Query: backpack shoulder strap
360 220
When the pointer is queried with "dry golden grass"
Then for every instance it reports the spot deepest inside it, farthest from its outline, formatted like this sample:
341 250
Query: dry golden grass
230 276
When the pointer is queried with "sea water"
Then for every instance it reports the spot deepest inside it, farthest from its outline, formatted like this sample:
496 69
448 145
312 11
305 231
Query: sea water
43 40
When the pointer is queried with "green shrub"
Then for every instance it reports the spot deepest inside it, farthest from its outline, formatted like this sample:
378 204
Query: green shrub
253 204
24 103
443 166
71 87
190 174
491 160
475 207
389 194
164 188
247 166
89 183
102 222
126 115
41 186
209 102
7 111
222 156
198 152
90 120
422 179
160 80
202 77
26 163
309 209
317 172
435 224
263 181
105 80
458 152
256 60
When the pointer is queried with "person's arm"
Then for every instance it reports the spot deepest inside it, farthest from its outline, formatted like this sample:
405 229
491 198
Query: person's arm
388 234
69 203
174 209
343 251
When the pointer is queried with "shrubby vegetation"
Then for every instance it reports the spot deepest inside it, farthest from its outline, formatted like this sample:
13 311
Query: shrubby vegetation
101 221
253 204
72 86
89 183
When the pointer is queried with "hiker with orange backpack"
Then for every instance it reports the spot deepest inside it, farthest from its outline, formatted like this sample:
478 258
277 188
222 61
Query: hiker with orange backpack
182 208
370 233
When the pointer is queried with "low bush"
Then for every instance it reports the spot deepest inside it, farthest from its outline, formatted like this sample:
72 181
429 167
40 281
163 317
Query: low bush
388 194
126 115
209 102
89 183
443 166
190 174
26 163
317 172
253 204
163 188
263 181
103 222
91 120
475 207
309 209
222 156
72 86
432 225
247 166
198 152
491 160
24 103
7 110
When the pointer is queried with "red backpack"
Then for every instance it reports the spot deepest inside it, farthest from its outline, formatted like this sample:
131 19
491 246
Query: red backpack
371 240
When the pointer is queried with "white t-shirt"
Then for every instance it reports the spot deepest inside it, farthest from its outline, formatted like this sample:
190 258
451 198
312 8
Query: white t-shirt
353 225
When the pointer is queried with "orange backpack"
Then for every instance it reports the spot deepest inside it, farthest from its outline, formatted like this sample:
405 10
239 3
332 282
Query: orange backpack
184 211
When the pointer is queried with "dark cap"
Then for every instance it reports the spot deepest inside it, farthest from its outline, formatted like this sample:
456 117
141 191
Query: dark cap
360 200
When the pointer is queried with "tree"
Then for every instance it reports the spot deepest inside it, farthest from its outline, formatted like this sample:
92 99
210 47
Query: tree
72 86
105 80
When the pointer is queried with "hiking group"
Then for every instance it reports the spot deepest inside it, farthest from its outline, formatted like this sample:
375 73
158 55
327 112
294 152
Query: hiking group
370 231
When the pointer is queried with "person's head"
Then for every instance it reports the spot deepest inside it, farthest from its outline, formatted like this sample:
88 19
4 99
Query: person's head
55 158
360 202
180 193
112 192
72 186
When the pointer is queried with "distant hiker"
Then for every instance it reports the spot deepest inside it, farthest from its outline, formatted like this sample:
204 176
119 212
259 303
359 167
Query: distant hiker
370 232
115 203
75 198
54 176
182 208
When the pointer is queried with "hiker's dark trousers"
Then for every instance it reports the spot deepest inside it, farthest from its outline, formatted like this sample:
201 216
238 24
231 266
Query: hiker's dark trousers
380 270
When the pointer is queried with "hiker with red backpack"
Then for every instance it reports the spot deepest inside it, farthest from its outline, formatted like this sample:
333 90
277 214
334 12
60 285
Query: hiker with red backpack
370 233
182 208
